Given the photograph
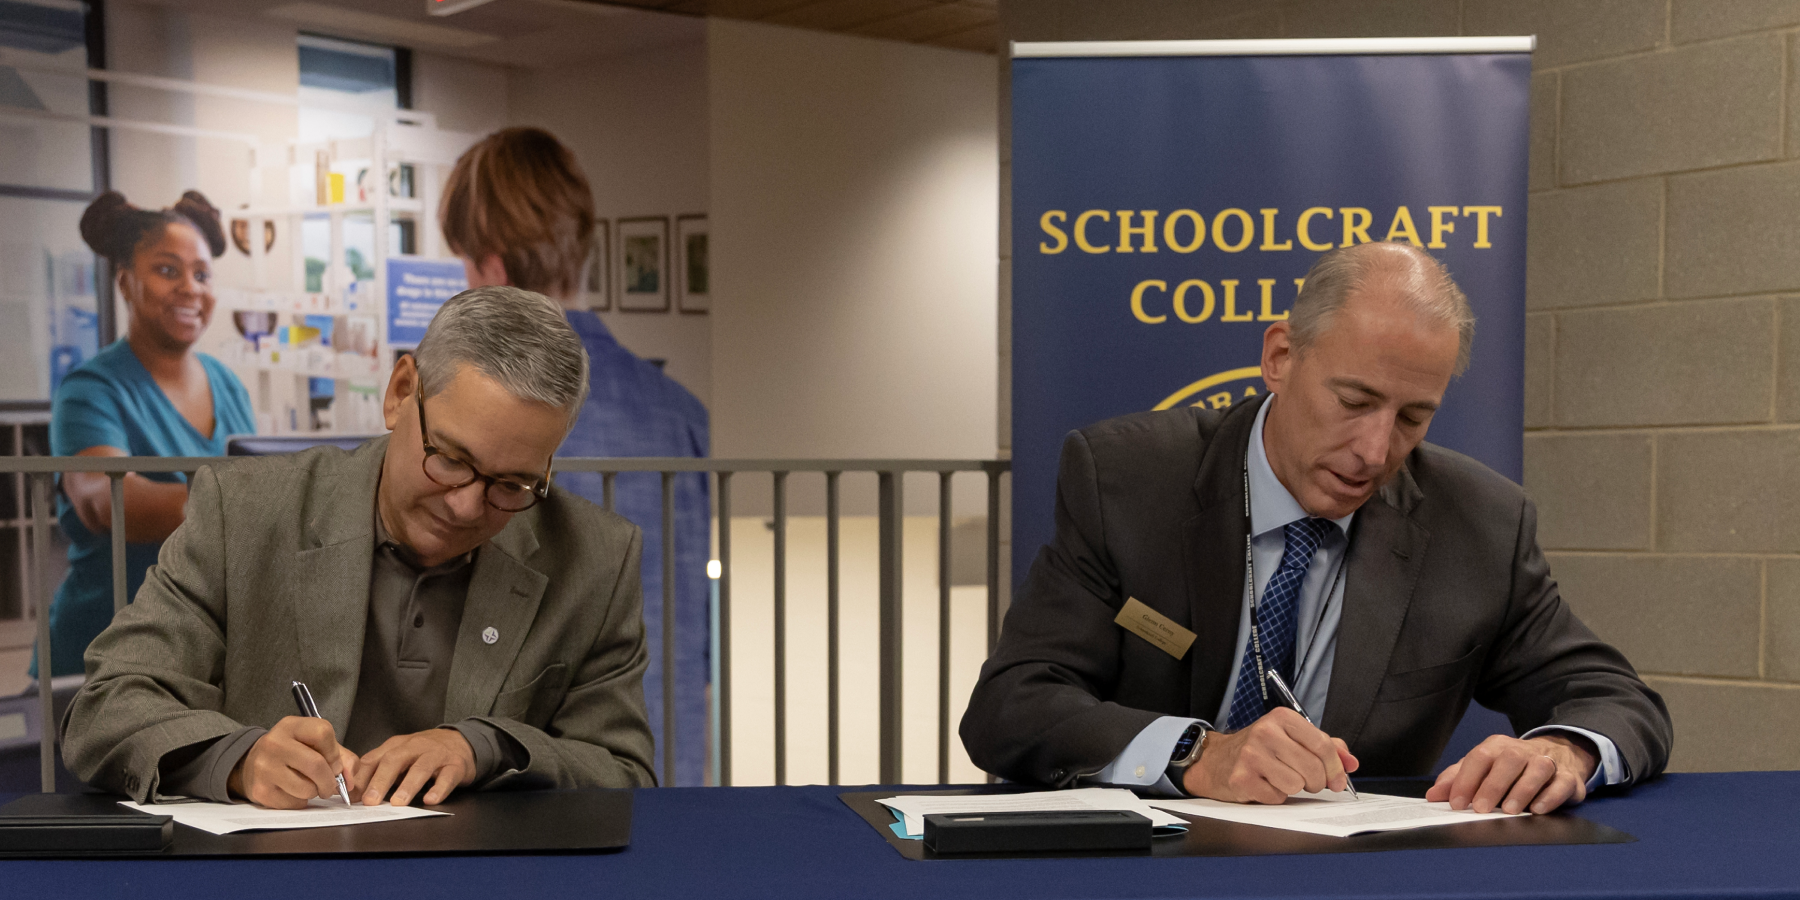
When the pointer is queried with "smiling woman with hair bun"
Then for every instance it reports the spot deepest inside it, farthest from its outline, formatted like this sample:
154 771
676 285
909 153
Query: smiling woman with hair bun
147 394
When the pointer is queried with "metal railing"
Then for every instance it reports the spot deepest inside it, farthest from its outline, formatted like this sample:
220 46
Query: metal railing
41 472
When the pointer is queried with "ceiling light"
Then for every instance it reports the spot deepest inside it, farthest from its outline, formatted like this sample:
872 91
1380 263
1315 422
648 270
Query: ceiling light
450 7
370 25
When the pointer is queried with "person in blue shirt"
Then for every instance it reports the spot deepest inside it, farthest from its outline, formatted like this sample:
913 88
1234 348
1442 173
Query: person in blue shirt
518 211
147 394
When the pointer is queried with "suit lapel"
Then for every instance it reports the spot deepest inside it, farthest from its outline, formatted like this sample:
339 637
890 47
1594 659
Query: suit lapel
504 594
331 607
1386 550
1213 547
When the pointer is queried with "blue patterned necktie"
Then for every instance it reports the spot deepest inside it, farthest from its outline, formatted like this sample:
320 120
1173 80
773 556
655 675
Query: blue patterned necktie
1277 617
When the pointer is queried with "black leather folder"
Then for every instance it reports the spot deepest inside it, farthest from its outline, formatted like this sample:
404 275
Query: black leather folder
97 835
1015 832
584 821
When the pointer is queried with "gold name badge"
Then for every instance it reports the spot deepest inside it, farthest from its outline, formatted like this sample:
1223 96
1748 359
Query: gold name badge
1155 627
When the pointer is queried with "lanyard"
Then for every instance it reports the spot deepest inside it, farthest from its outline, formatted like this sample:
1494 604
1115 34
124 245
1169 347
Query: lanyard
1337 581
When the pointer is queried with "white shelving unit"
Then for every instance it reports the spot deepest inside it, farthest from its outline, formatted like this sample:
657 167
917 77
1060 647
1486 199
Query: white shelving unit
335 329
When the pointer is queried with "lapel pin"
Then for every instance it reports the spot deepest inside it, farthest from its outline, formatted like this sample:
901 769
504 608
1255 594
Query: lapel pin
489 635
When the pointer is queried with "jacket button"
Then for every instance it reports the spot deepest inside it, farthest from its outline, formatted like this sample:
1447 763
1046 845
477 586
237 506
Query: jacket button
1056 775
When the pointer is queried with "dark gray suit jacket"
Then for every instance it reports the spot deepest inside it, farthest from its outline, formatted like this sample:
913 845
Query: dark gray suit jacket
1447 598
267 582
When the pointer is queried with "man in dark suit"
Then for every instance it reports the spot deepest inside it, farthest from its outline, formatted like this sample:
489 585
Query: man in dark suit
1315 536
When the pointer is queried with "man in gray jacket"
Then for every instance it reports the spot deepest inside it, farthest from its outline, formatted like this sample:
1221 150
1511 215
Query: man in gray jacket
460 621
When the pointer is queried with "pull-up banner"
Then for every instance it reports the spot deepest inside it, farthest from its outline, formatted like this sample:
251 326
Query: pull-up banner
1170 196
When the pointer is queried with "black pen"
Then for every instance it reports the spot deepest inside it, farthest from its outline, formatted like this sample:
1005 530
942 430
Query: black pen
1292 702
303 699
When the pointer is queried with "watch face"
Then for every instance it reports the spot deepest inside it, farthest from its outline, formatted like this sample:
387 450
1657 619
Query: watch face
1186 743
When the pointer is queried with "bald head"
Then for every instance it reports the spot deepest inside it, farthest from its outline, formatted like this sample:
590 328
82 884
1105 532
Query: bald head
1402 271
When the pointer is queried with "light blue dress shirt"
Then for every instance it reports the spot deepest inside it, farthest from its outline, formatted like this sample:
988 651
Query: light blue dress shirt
1145 760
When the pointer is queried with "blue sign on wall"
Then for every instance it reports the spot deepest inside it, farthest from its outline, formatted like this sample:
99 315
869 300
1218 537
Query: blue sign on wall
415 290
1166 209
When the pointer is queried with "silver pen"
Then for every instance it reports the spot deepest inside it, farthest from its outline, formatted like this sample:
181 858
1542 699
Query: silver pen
1292 702
303 699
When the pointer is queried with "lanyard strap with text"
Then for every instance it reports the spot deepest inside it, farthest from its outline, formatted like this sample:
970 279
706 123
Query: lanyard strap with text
1262 680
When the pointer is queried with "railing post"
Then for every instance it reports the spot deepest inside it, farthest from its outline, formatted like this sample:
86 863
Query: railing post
723 688
993 561
889 538
668 626
780 627
42 491
993 556
944 627
21 492
831 625
118 540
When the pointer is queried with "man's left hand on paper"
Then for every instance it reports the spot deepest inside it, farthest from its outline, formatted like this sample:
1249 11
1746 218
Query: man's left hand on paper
1538 775
405 763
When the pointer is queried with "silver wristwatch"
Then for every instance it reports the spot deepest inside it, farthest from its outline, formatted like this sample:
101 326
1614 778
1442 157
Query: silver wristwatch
1187 752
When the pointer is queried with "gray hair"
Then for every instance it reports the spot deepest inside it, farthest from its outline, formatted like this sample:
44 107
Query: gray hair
516 337
1423 284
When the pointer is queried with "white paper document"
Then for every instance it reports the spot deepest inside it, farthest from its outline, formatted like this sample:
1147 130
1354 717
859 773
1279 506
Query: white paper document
915 807
1333 814
225 818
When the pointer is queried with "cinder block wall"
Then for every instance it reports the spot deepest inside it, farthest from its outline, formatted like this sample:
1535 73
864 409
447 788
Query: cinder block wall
1663 295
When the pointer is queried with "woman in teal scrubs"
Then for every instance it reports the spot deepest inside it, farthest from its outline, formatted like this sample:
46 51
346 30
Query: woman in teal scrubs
148 394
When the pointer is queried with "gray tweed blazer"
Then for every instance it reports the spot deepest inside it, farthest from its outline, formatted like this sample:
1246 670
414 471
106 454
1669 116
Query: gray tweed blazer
267 582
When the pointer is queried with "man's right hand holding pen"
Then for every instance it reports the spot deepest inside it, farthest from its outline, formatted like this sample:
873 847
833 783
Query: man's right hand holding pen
298 759
1277 756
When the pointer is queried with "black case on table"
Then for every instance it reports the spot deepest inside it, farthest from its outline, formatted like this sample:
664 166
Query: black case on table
1013 832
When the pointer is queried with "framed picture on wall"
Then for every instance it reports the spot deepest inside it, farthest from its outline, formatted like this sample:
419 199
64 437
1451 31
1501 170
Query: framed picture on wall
692 269
644 264
596 278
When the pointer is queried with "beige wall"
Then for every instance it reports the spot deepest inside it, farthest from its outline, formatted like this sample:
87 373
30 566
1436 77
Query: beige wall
463 94
853 208
1663 343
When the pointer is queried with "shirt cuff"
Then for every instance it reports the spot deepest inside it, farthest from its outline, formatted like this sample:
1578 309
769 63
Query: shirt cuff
1145 761
203 770
1612 768
495 750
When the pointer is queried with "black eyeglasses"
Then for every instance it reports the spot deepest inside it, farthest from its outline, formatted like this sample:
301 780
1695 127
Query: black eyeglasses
448 471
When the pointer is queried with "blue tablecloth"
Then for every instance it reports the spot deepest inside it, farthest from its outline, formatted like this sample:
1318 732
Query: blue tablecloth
1699 836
